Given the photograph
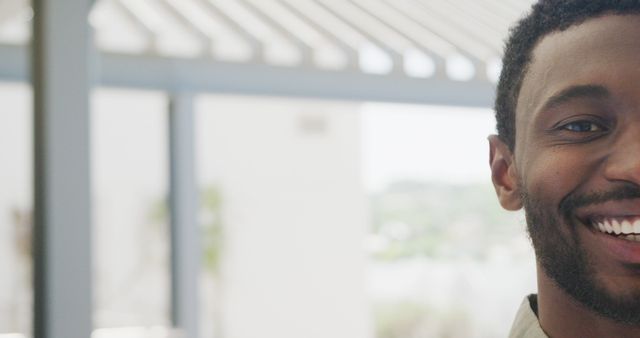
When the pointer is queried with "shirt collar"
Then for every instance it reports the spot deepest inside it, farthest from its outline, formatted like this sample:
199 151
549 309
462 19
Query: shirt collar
526 324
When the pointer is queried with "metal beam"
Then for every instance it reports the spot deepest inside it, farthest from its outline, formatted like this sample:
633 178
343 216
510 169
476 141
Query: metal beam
185 232
260 79
168 74
62 67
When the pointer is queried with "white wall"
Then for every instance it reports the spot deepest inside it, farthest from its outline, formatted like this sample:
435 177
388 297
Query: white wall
294 215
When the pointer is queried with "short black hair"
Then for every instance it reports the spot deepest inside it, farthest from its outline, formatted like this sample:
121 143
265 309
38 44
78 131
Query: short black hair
545 16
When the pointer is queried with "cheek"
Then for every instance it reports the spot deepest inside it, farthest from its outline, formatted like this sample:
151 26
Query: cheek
553 174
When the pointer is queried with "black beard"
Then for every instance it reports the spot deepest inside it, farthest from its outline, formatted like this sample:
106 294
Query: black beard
566 262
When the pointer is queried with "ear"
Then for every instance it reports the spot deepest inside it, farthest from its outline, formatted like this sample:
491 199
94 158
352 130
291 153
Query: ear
504 174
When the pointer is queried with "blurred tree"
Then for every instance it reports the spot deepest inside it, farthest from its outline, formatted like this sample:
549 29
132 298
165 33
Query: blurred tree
438 220
210 219
22 219
212 230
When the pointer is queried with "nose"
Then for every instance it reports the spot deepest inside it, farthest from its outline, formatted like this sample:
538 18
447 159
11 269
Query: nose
623 162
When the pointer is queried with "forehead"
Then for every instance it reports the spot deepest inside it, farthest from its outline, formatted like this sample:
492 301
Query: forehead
603 51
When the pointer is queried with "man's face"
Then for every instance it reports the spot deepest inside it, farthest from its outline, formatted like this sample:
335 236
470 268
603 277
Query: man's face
576 163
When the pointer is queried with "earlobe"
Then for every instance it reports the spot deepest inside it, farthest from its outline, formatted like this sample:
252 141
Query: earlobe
504 174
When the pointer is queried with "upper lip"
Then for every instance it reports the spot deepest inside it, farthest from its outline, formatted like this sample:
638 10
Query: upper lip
611 209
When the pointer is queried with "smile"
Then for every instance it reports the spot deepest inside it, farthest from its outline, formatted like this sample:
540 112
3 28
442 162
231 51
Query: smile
627 227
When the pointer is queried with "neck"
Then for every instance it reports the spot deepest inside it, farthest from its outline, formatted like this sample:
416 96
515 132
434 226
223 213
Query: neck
561 316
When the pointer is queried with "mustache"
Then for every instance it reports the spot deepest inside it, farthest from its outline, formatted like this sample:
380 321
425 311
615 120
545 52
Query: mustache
574 201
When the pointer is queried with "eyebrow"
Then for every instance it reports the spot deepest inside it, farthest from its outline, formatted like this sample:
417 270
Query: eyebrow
576 92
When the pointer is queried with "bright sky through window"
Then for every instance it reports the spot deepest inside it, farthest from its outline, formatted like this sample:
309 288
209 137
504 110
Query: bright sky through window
427 143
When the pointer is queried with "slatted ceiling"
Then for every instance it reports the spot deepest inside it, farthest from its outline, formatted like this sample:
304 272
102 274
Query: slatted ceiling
222 42
518 7
349 40
419 38
482 13
458 64
265 11
416 58
124 14
193 15
444 27
126 37
363 53
188 22
478 31
368 25
146 14
216 15
238 12
171 37
374 56
511 8
434 44
322 50
276 48
395 44
310 42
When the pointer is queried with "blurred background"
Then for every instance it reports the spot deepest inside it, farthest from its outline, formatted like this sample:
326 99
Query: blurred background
336 159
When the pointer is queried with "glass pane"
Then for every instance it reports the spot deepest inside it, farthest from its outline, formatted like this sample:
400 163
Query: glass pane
16 156
130 177
445 259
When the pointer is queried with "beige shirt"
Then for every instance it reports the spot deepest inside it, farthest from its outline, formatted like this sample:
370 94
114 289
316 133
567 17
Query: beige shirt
526 324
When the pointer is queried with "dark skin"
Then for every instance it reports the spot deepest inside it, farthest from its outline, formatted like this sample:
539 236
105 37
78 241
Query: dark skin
577 132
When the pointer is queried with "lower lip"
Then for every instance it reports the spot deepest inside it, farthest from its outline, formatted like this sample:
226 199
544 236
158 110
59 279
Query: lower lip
625 250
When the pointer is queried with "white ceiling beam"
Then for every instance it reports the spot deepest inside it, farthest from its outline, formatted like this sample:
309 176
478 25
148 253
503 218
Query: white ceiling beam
260 10
466 24
187 23
328 25
256 45
260 79
392 43
130 15
168 74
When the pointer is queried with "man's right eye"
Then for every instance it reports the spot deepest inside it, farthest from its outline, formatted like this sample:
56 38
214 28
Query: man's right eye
582 127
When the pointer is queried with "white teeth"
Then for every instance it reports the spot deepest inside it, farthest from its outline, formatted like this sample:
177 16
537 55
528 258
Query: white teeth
636 226
626 227
608 226
635 238
601 227
615 221
616 228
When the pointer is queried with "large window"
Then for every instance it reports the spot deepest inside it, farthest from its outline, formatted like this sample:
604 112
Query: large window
317 218
360 219
363 219
130 180
445 259
16 290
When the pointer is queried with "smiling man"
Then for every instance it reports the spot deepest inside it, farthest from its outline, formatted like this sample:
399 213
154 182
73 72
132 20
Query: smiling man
568 151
